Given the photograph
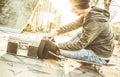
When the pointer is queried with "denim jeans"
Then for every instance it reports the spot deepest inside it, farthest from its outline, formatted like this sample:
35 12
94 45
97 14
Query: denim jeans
83 54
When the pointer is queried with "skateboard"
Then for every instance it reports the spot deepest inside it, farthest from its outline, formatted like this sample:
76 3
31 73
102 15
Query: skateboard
79 63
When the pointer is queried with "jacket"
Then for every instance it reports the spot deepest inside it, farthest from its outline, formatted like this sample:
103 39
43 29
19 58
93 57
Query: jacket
96 33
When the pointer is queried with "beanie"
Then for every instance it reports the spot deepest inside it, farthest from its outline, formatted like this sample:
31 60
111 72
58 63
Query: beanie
81 4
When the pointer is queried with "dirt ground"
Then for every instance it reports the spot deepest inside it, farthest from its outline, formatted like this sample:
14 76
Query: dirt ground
108 71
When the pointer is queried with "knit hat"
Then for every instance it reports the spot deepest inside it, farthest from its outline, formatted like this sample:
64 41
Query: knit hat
81 4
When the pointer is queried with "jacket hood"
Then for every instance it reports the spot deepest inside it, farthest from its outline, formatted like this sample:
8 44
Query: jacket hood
98 14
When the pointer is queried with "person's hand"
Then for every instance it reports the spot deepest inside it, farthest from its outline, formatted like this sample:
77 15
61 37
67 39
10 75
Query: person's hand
52 35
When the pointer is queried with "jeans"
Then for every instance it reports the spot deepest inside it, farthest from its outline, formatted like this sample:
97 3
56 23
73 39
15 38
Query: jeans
83 54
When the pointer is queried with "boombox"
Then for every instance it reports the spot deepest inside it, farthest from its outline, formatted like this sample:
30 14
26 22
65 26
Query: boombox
20 45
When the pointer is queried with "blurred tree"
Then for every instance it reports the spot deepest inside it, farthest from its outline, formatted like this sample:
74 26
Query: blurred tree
43 16
106 3
94 2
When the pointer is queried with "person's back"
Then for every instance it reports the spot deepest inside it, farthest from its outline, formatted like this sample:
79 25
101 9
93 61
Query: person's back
103 43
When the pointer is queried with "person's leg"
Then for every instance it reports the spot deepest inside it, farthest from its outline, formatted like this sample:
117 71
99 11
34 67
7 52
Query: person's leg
86 55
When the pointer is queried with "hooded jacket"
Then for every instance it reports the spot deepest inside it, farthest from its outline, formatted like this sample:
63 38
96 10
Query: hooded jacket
96 33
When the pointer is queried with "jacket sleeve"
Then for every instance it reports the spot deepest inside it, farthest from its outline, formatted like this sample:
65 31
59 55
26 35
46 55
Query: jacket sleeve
90 32
71 26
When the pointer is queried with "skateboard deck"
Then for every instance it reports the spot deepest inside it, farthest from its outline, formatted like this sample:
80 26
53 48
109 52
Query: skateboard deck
81 63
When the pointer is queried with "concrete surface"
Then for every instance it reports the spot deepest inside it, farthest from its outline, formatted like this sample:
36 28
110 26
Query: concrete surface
16 66
19 66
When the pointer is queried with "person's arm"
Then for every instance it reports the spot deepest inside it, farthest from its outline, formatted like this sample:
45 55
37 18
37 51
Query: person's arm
71 26
90 32
66 28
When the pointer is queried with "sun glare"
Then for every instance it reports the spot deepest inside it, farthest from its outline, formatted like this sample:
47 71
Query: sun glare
63 8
